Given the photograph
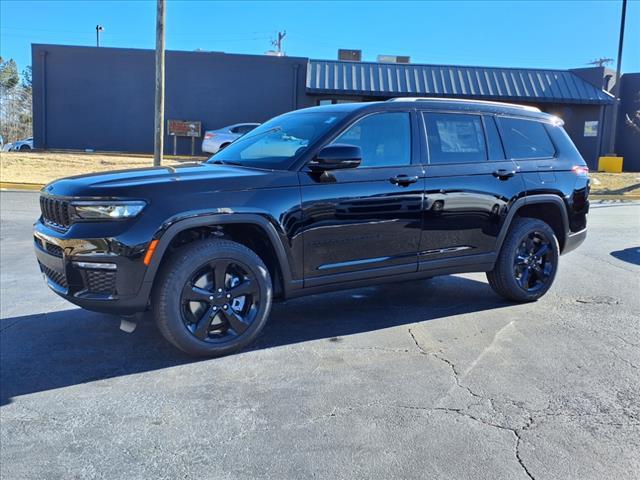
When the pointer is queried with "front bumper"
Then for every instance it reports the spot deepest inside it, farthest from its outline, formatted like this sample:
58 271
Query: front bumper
574 240
89 274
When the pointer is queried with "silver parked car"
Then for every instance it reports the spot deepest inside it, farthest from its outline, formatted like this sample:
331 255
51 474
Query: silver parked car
216 140
19 146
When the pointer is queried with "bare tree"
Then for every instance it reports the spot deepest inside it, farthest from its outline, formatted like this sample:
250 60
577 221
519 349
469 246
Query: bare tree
15 101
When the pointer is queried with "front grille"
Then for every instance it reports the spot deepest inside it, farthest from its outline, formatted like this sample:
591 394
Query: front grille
53 249
55 211
100 281
54 276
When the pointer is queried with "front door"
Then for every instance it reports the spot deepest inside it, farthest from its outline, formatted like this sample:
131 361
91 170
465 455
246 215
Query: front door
469 186
365 221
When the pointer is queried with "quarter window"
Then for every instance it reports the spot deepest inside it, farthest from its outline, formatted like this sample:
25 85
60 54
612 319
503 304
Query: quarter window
525 139
455 138
385 139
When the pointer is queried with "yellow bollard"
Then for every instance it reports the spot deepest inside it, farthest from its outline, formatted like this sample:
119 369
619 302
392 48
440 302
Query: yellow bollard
610 164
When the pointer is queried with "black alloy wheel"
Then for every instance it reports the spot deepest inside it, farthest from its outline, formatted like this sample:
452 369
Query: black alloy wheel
533 264
528 261
220 301
212 297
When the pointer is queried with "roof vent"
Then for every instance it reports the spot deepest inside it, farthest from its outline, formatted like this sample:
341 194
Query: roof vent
393 59
350 55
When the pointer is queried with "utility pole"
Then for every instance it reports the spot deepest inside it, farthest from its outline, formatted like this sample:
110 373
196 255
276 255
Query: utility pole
159 110
617 86
278 42
601 62
98 30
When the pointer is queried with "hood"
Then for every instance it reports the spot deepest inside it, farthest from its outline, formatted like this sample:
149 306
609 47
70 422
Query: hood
144 182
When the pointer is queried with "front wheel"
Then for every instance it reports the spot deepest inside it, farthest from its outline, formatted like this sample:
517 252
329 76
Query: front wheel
212 297
527 263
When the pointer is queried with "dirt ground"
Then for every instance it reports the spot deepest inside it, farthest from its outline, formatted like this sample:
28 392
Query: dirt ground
43 167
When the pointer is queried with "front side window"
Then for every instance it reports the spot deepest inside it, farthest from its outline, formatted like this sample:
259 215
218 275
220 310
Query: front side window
525 139
277 143
384 138
455 138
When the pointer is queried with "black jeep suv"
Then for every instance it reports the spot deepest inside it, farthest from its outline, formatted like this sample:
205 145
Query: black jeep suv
325 198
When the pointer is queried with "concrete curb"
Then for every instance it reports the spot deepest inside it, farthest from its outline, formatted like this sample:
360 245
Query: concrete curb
21 186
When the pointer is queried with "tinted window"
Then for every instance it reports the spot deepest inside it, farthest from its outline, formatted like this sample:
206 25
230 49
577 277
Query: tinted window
278 142
455 138
525 139
242 129
385 139
494 143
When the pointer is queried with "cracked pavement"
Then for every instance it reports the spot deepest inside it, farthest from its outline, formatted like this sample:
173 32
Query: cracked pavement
436 379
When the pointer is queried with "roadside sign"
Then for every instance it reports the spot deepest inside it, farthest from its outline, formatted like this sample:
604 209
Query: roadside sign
184 128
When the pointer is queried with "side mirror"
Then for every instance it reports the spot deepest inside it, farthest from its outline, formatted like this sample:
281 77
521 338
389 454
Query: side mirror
335 157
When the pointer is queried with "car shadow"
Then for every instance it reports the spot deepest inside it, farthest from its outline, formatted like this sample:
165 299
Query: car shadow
631 255
71 347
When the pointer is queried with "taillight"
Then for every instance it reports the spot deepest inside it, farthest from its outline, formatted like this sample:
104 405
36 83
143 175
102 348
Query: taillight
209 136
581 170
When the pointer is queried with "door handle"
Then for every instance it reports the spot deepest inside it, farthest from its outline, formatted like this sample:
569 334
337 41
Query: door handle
503 174
403 180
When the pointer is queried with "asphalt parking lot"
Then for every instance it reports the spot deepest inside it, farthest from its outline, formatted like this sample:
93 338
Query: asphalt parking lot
435 379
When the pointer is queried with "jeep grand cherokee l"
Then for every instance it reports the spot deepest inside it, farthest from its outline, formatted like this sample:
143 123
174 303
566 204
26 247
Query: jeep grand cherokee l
320 199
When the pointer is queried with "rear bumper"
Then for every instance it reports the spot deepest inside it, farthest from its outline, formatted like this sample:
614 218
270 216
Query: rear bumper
574 240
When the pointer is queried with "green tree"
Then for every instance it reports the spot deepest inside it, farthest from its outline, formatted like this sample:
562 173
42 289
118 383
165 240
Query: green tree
27 75
9 77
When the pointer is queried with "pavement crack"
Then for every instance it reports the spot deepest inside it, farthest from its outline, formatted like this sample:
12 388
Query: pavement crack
517 433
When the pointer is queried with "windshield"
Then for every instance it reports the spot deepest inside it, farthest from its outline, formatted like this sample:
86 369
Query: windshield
278 142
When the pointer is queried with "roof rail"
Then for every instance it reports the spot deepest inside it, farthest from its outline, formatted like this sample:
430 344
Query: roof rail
462 100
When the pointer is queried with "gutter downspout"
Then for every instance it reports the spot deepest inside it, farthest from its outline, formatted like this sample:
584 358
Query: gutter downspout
295 87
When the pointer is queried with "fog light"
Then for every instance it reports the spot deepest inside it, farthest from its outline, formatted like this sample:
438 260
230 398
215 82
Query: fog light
98 266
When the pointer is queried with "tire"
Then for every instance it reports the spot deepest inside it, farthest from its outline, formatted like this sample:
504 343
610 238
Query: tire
24 148
194 315
528 261
223 146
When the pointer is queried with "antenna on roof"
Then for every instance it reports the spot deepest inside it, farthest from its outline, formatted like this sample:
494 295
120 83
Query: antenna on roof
601 62
277 42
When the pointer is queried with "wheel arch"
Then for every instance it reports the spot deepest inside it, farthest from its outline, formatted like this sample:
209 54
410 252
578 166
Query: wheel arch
549 208
252 230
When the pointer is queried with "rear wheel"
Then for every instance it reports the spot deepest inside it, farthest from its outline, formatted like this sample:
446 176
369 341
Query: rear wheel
527 263
223 146
212 297
24 148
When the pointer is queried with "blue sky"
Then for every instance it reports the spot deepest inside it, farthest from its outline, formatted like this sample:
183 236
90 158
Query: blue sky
542 34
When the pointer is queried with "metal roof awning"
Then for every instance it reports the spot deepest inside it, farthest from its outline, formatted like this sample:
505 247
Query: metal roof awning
392 80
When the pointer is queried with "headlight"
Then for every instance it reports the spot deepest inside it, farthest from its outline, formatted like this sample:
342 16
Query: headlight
107 210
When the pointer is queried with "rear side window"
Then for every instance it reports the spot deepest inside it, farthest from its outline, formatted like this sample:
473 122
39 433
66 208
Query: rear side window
455 138
525 139
385 139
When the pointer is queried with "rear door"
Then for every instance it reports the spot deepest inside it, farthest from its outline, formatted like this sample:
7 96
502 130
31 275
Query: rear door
366 221
469 186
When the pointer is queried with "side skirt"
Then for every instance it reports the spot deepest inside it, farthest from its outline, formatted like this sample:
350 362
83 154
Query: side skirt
426 269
